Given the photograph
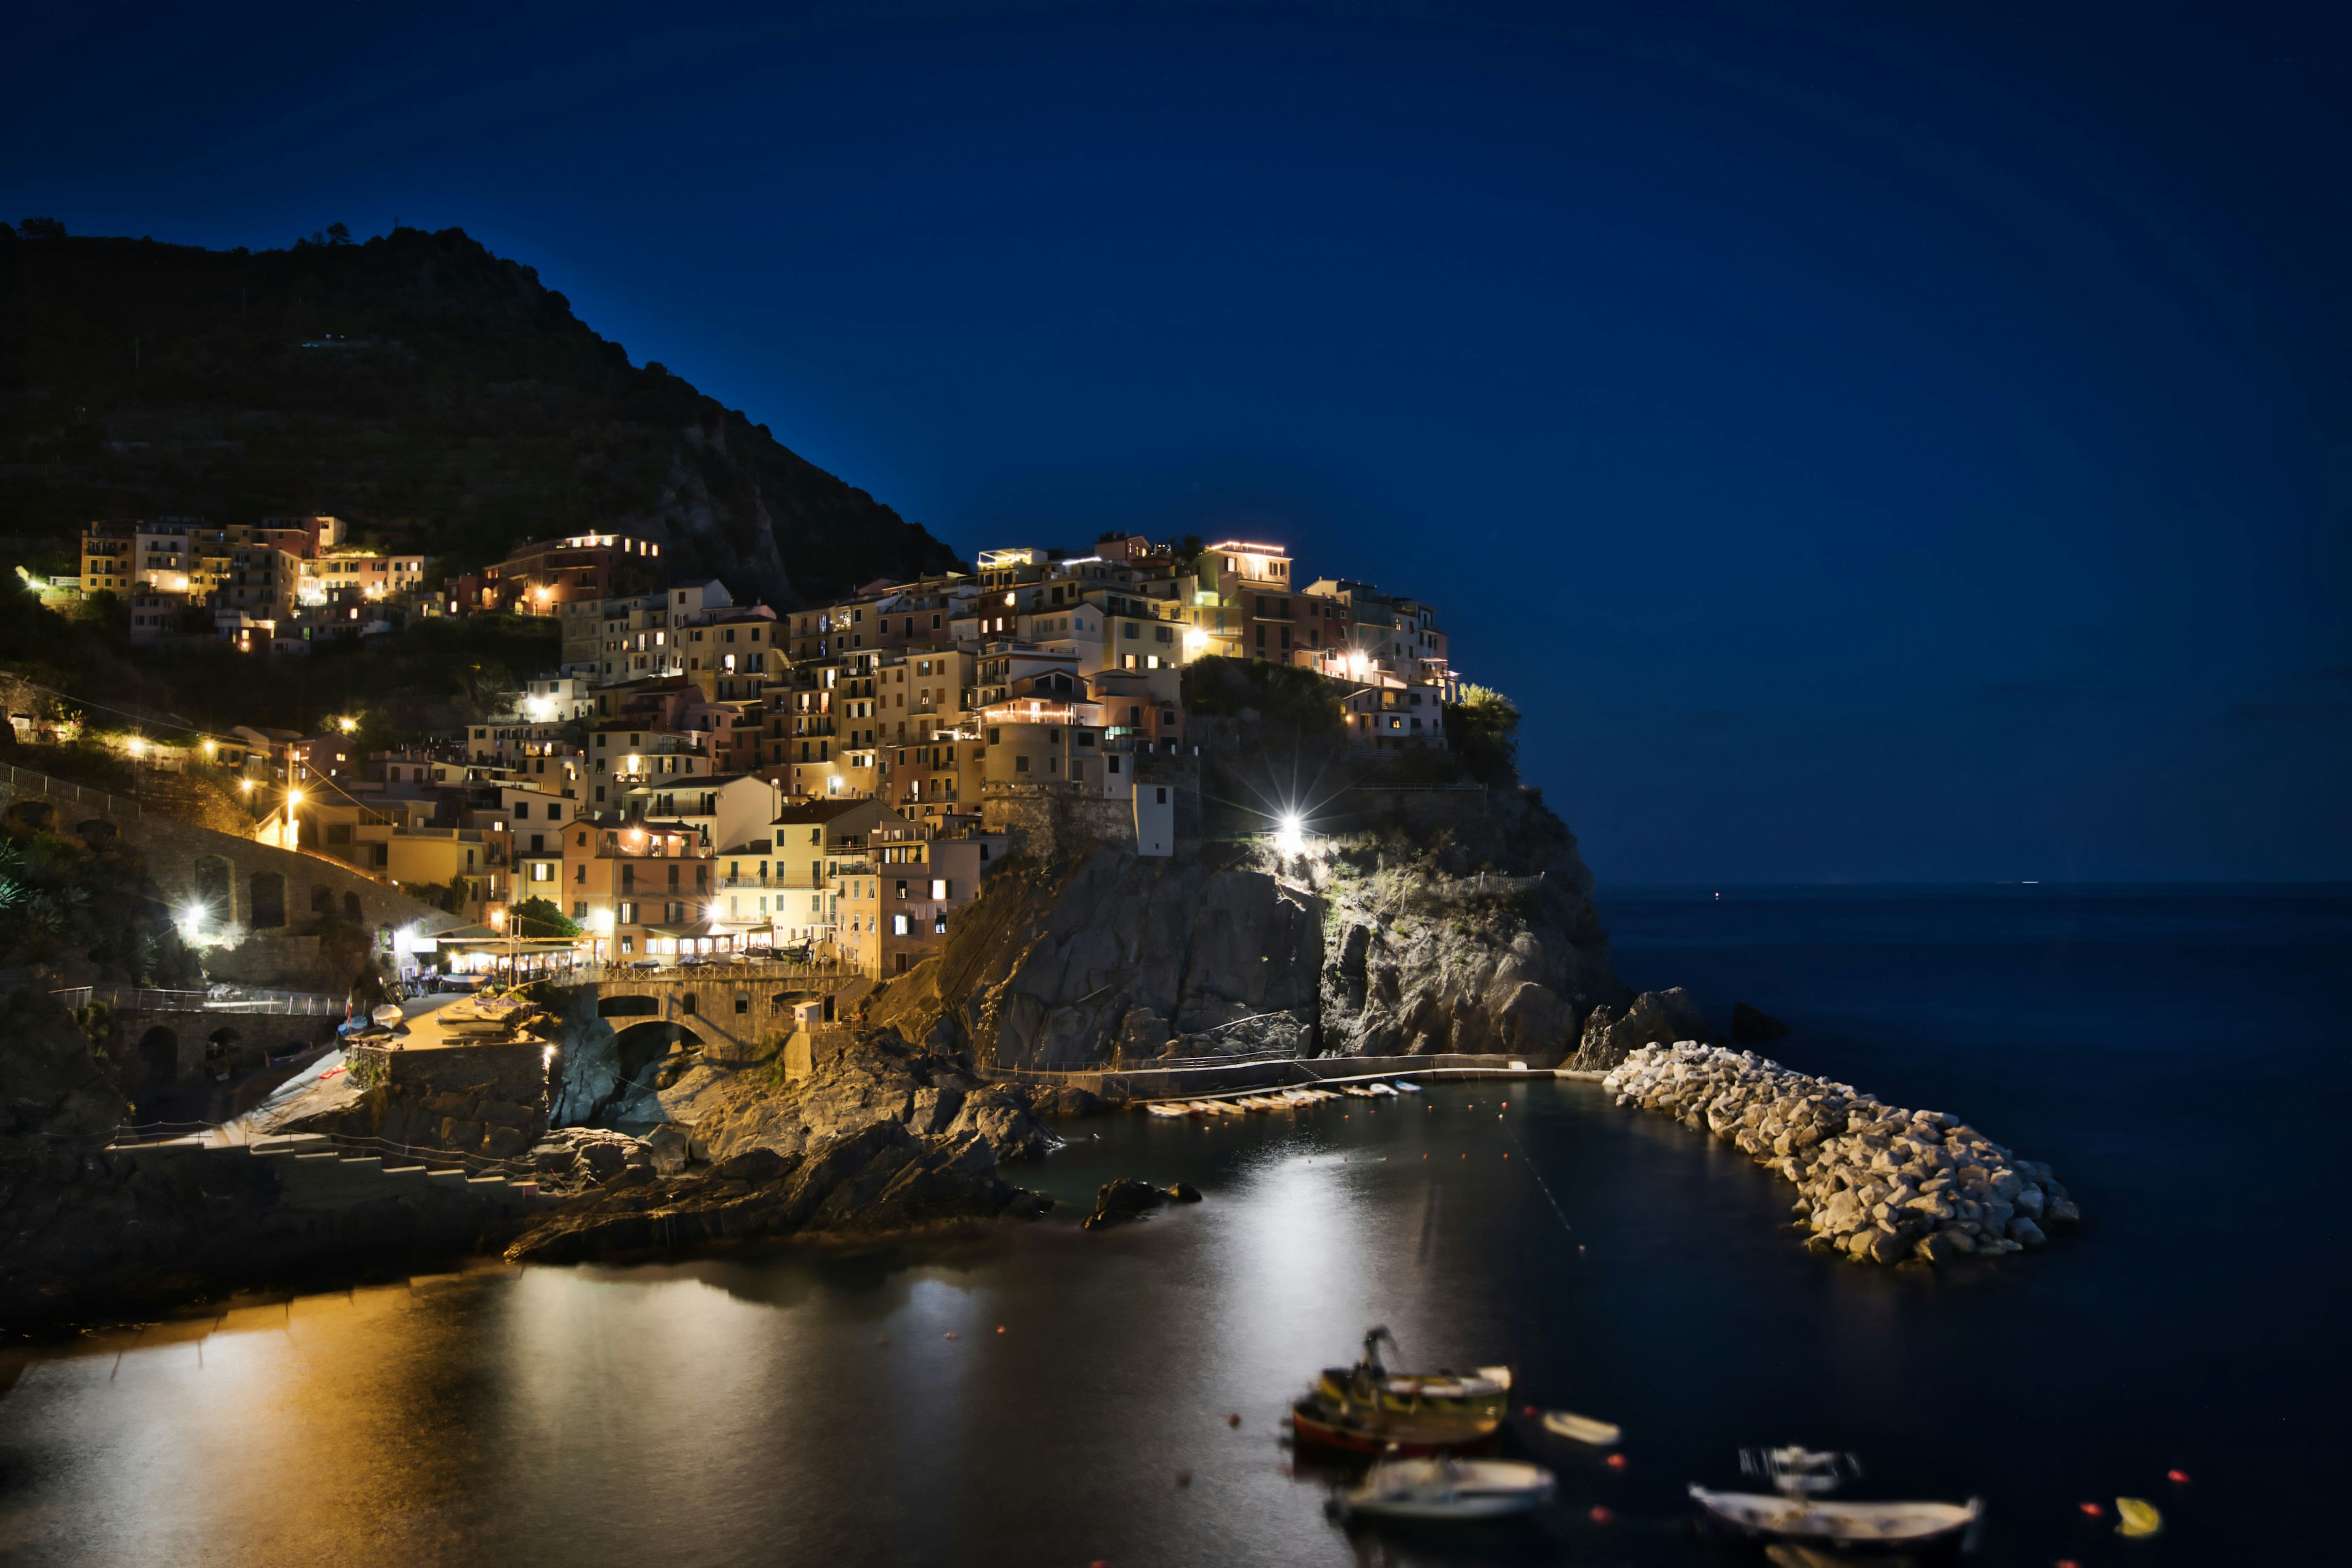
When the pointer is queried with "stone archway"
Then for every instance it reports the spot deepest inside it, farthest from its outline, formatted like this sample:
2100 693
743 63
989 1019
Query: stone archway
650 1056
268 900
159 1055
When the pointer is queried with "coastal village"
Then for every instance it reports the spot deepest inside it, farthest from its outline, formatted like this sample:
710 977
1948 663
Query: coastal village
699 774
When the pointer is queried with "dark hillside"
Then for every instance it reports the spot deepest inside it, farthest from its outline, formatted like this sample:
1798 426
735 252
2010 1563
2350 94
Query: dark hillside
436 395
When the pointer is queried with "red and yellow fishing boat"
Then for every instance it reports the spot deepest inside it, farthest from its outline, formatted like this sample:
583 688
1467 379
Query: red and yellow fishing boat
1368 1409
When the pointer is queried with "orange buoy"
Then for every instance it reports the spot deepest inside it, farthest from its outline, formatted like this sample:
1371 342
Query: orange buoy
1000 1328
1616 1461
1234 1418
2178 1477
2091 1510
1601 1515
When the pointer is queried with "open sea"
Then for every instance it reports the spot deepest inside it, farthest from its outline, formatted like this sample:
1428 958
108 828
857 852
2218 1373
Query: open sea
1048 1396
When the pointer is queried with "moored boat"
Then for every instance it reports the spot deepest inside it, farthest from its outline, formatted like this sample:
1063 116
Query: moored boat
1814 1520
1581 1429
1443 1490
1367 1408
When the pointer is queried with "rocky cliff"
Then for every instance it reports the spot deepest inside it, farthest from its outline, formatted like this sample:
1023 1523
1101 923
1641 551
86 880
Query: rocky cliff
883 1137
1478 935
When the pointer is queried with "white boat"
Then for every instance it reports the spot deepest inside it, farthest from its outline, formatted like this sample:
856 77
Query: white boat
1581 1429
1838 1523
1408 1087
1378 1089
1435 1490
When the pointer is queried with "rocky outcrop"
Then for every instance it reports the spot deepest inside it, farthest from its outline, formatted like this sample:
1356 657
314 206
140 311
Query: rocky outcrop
877 1077
1880 1184
1125 958
575 1159
1118 1201
1478 935
881 1178
1423 961
1610 1033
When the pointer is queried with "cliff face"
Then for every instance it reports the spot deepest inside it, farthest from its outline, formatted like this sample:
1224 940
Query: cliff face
415 385
1393 944
1483 939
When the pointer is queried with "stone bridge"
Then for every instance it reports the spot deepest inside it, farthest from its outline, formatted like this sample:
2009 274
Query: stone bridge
179 1033
625 1037
253 896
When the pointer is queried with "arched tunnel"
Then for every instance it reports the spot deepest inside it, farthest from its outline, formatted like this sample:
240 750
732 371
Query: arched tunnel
651 1055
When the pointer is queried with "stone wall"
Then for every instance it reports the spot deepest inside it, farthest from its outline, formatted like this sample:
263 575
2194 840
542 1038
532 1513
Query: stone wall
490 1100
1054 825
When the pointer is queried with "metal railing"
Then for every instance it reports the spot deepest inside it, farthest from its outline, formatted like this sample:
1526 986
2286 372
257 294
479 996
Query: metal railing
163 999
662 970
24 779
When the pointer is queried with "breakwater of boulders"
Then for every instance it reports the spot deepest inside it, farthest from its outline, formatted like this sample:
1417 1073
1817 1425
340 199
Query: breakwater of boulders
1880 1184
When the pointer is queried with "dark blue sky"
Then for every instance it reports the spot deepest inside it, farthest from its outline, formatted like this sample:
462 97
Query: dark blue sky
1897 442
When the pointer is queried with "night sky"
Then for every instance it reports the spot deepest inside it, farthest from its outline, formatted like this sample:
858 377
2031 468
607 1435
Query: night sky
1898 442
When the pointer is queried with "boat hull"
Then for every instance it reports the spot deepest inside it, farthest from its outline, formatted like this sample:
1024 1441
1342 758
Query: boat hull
1356 1432
1837 1525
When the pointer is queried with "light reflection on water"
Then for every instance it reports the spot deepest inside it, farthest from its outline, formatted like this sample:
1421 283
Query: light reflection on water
747 1409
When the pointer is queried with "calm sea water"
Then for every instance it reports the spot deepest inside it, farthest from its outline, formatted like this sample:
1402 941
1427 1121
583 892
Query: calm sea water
2179 1055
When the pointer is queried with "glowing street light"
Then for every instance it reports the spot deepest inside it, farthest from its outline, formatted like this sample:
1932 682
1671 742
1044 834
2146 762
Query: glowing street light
135 746
245 785
347 724
1290 833
293 798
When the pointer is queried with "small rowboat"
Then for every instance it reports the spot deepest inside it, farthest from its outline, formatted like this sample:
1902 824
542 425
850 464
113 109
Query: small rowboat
1378 1089
1434 1491
2137 1518
1838 1523
1581 1429
1408 1087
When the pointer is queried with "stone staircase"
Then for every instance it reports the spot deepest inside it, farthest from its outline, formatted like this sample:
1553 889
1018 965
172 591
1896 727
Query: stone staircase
315 1173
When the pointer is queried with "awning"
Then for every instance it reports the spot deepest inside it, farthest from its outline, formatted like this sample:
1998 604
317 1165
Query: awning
697 928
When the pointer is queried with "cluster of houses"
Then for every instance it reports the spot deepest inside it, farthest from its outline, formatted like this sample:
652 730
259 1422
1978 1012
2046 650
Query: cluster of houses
699 775
274 585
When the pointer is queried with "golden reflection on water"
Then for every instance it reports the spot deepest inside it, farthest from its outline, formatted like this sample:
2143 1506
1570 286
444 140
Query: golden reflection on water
336 1419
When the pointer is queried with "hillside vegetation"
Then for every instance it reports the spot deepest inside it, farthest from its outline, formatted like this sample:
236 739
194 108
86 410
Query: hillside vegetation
439 396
